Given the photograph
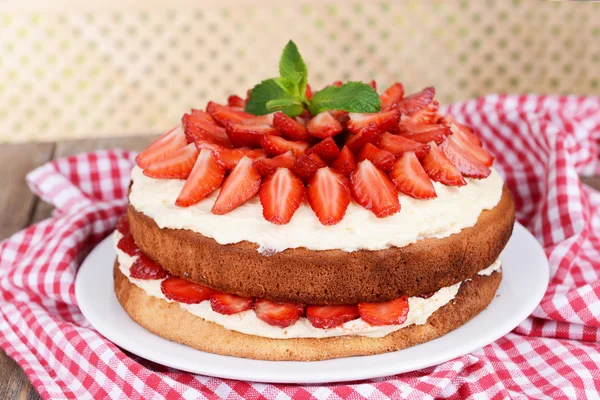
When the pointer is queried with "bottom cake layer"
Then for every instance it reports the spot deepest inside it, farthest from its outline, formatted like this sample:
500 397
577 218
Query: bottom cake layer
170 321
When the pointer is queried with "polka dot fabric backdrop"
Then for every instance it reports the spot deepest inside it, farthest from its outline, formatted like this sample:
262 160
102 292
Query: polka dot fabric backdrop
100 69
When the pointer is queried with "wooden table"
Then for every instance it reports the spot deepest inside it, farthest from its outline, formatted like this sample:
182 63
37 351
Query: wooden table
20 208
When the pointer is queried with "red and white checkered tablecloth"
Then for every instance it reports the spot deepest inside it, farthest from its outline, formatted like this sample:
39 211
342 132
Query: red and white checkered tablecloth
542 145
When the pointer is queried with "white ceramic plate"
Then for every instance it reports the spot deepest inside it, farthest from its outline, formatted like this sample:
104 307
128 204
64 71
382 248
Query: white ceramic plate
524 282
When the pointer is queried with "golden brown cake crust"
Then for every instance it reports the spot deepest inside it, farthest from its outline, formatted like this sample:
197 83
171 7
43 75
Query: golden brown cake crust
170 321
329 276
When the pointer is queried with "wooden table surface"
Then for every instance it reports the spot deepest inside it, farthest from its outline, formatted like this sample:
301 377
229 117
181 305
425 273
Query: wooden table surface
20 208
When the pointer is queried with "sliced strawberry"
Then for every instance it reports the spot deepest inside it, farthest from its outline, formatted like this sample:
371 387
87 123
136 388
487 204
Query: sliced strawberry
162 148
128 246
382 159
236 101
328 194
199 125
280 195
327 317
440 169
410 178
391 96
278 314
326 149
229 304
248 135
341 115
276 145
465 139
183 291
123 225
415 102
206 176
397 145
384 121
229 158
266 166
467 163
392 312
203 144
345 162
462 130
223 113
427 133
289 127
373 190
266 119
426 115
307 165
369 134
373 84
240 186
145 268
324 125
177 166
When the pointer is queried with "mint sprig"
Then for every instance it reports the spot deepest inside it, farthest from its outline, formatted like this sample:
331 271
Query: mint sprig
287 92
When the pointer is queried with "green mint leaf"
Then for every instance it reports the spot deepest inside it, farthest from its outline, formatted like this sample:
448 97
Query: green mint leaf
289 84
278 104
352 97
269 90
292 65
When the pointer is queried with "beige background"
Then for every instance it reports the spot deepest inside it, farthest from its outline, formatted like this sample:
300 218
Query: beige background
100 69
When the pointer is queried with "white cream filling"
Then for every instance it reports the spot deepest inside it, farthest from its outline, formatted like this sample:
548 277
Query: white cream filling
247 322
454 209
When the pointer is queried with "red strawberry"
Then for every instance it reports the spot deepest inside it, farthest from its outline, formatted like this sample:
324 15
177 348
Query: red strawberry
391 96
228 158
162 148
229 304
467 164
337 83
266 119
468 141
373 190
278 314
309 92
206 176
145 268
440 169
248 135
275 145
369 134
428 133
382 159
236 101
183 291
326 149
199 125
340 115
223 113
345 162
177 166
462 130
392 312
128 246
426 115
203 144
280 195
384 121
123 225
415 102
328 195
410 178
307 165
266 166
327 317
324 125
239 187
373 84
397 145
289 127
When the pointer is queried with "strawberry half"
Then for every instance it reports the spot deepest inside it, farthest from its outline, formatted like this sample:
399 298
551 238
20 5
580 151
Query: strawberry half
307 165
229 158
289 127
369 134
123 225
391 96
440 169
275 145
468 141
428 133
266 166
236 101
177 166
328 194
397 145
229 304
410 178
278 314
327 317
345 162
373 190
145 268
280 195
415 102
324 125
241 185
392 312
162 148
384 121
382 159
223 113
206 176
326 149
128 246
183 291
248 135
467 164
462 130
199 125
